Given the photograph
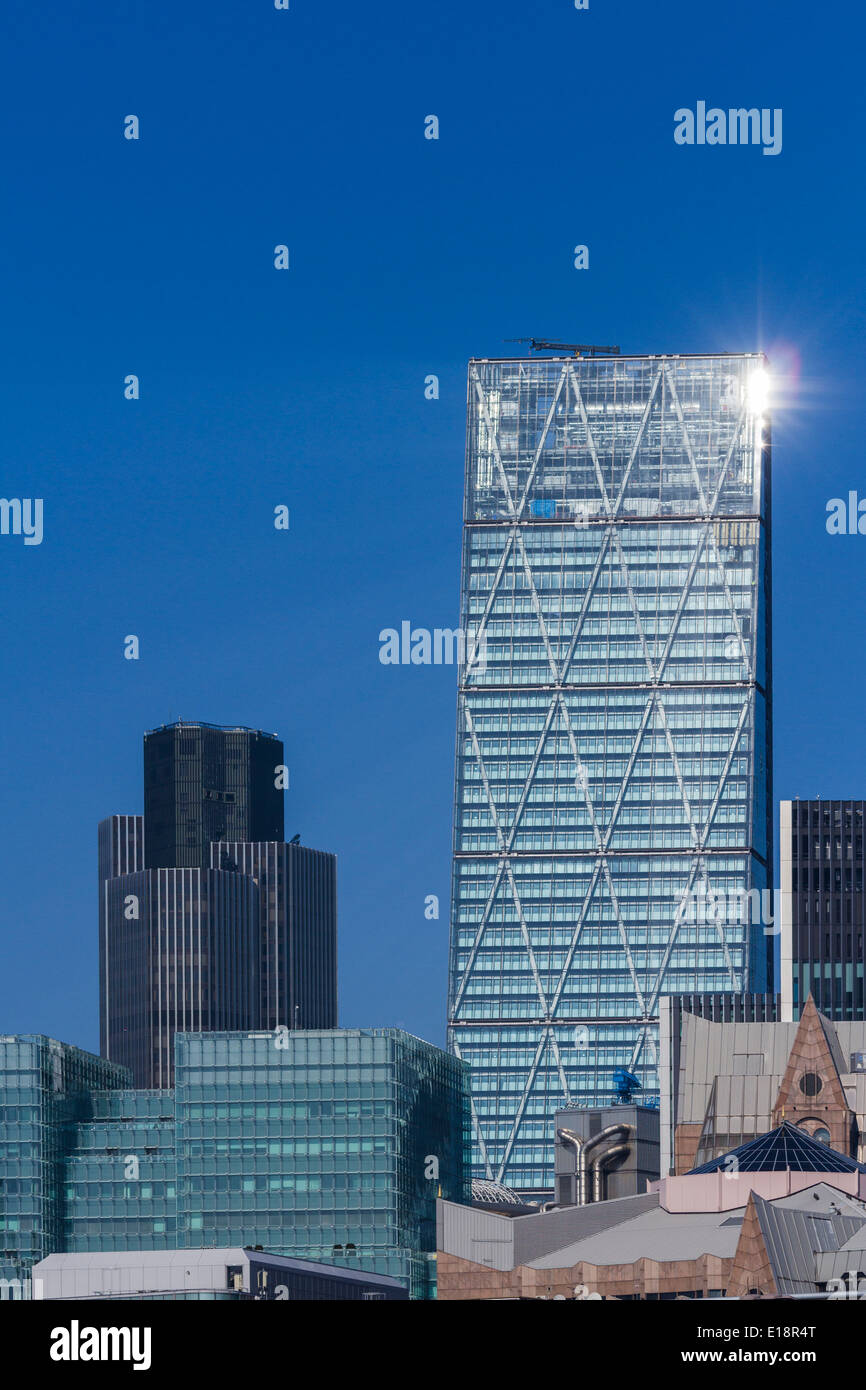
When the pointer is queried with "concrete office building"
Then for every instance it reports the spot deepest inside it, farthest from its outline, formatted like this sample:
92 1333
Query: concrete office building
614 725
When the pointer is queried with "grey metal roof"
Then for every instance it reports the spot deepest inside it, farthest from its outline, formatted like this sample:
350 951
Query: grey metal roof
795 1237
747 1062
798 1230
849 1258
503 1242
536 1236
653 1235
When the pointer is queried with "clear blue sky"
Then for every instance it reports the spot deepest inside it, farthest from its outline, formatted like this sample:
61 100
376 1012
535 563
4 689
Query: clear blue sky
258 387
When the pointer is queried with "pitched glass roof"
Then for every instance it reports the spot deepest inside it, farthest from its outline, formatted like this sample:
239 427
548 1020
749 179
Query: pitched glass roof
785 1147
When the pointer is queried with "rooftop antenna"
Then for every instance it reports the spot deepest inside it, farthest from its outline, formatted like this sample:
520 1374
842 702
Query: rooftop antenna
575 349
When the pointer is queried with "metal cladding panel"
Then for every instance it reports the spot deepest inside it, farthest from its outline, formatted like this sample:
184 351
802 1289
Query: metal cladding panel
483 1237
120 850
538 1236
186 959
654 1235
795 1238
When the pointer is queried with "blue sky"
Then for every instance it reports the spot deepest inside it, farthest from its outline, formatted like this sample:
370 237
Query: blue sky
306 388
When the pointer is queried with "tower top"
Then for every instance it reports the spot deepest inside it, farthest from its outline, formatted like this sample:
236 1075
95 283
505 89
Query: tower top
576 349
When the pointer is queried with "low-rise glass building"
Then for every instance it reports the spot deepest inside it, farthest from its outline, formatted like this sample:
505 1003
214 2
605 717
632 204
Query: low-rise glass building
46 1089
328 1145
332 1144
120 1175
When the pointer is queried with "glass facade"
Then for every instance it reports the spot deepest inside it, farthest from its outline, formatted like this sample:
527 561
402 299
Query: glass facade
46 1088
298 930
822 906
120 1176
329 1146
183 950
613 747
246 939
202 783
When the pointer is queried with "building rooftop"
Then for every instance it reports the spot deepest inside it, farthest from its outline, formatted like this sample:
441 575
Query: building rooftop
785 1148
201 724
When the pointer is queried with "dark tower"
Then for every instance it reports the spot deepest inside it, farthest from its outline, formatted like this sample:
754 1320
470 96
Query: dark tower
297 930
204 783
821 915
208 922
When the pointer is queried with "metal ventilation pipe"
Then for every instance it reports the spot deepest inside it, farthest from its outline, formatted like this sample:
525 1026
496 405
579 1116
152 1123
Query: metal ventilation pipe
599 1164
583 1169
568 1136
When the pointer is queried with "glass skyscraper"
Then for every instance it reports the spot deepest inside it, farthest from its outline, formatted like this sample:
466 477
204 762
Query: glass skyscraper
182 953
613 745
231 934
206 782
297 889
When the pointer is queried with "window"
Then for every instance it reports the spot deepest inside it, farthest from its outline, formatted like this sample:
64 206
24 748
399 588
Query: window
811 1084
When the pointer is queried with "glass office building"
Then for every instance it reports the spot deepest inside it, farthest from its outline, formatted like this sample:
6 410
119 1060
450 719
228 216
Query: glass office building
221 934
207 782
822 909
329 1145
182 952
46 1088
297 887
613 747
120 1174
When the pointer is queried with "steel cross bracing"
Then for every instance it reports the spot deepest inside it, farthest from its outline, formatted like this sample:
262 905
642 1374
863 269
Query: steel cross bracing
654 715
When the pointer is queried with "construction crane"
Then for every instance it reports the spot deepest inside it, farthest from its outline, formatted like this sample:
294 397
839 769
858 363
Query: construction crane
575 349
